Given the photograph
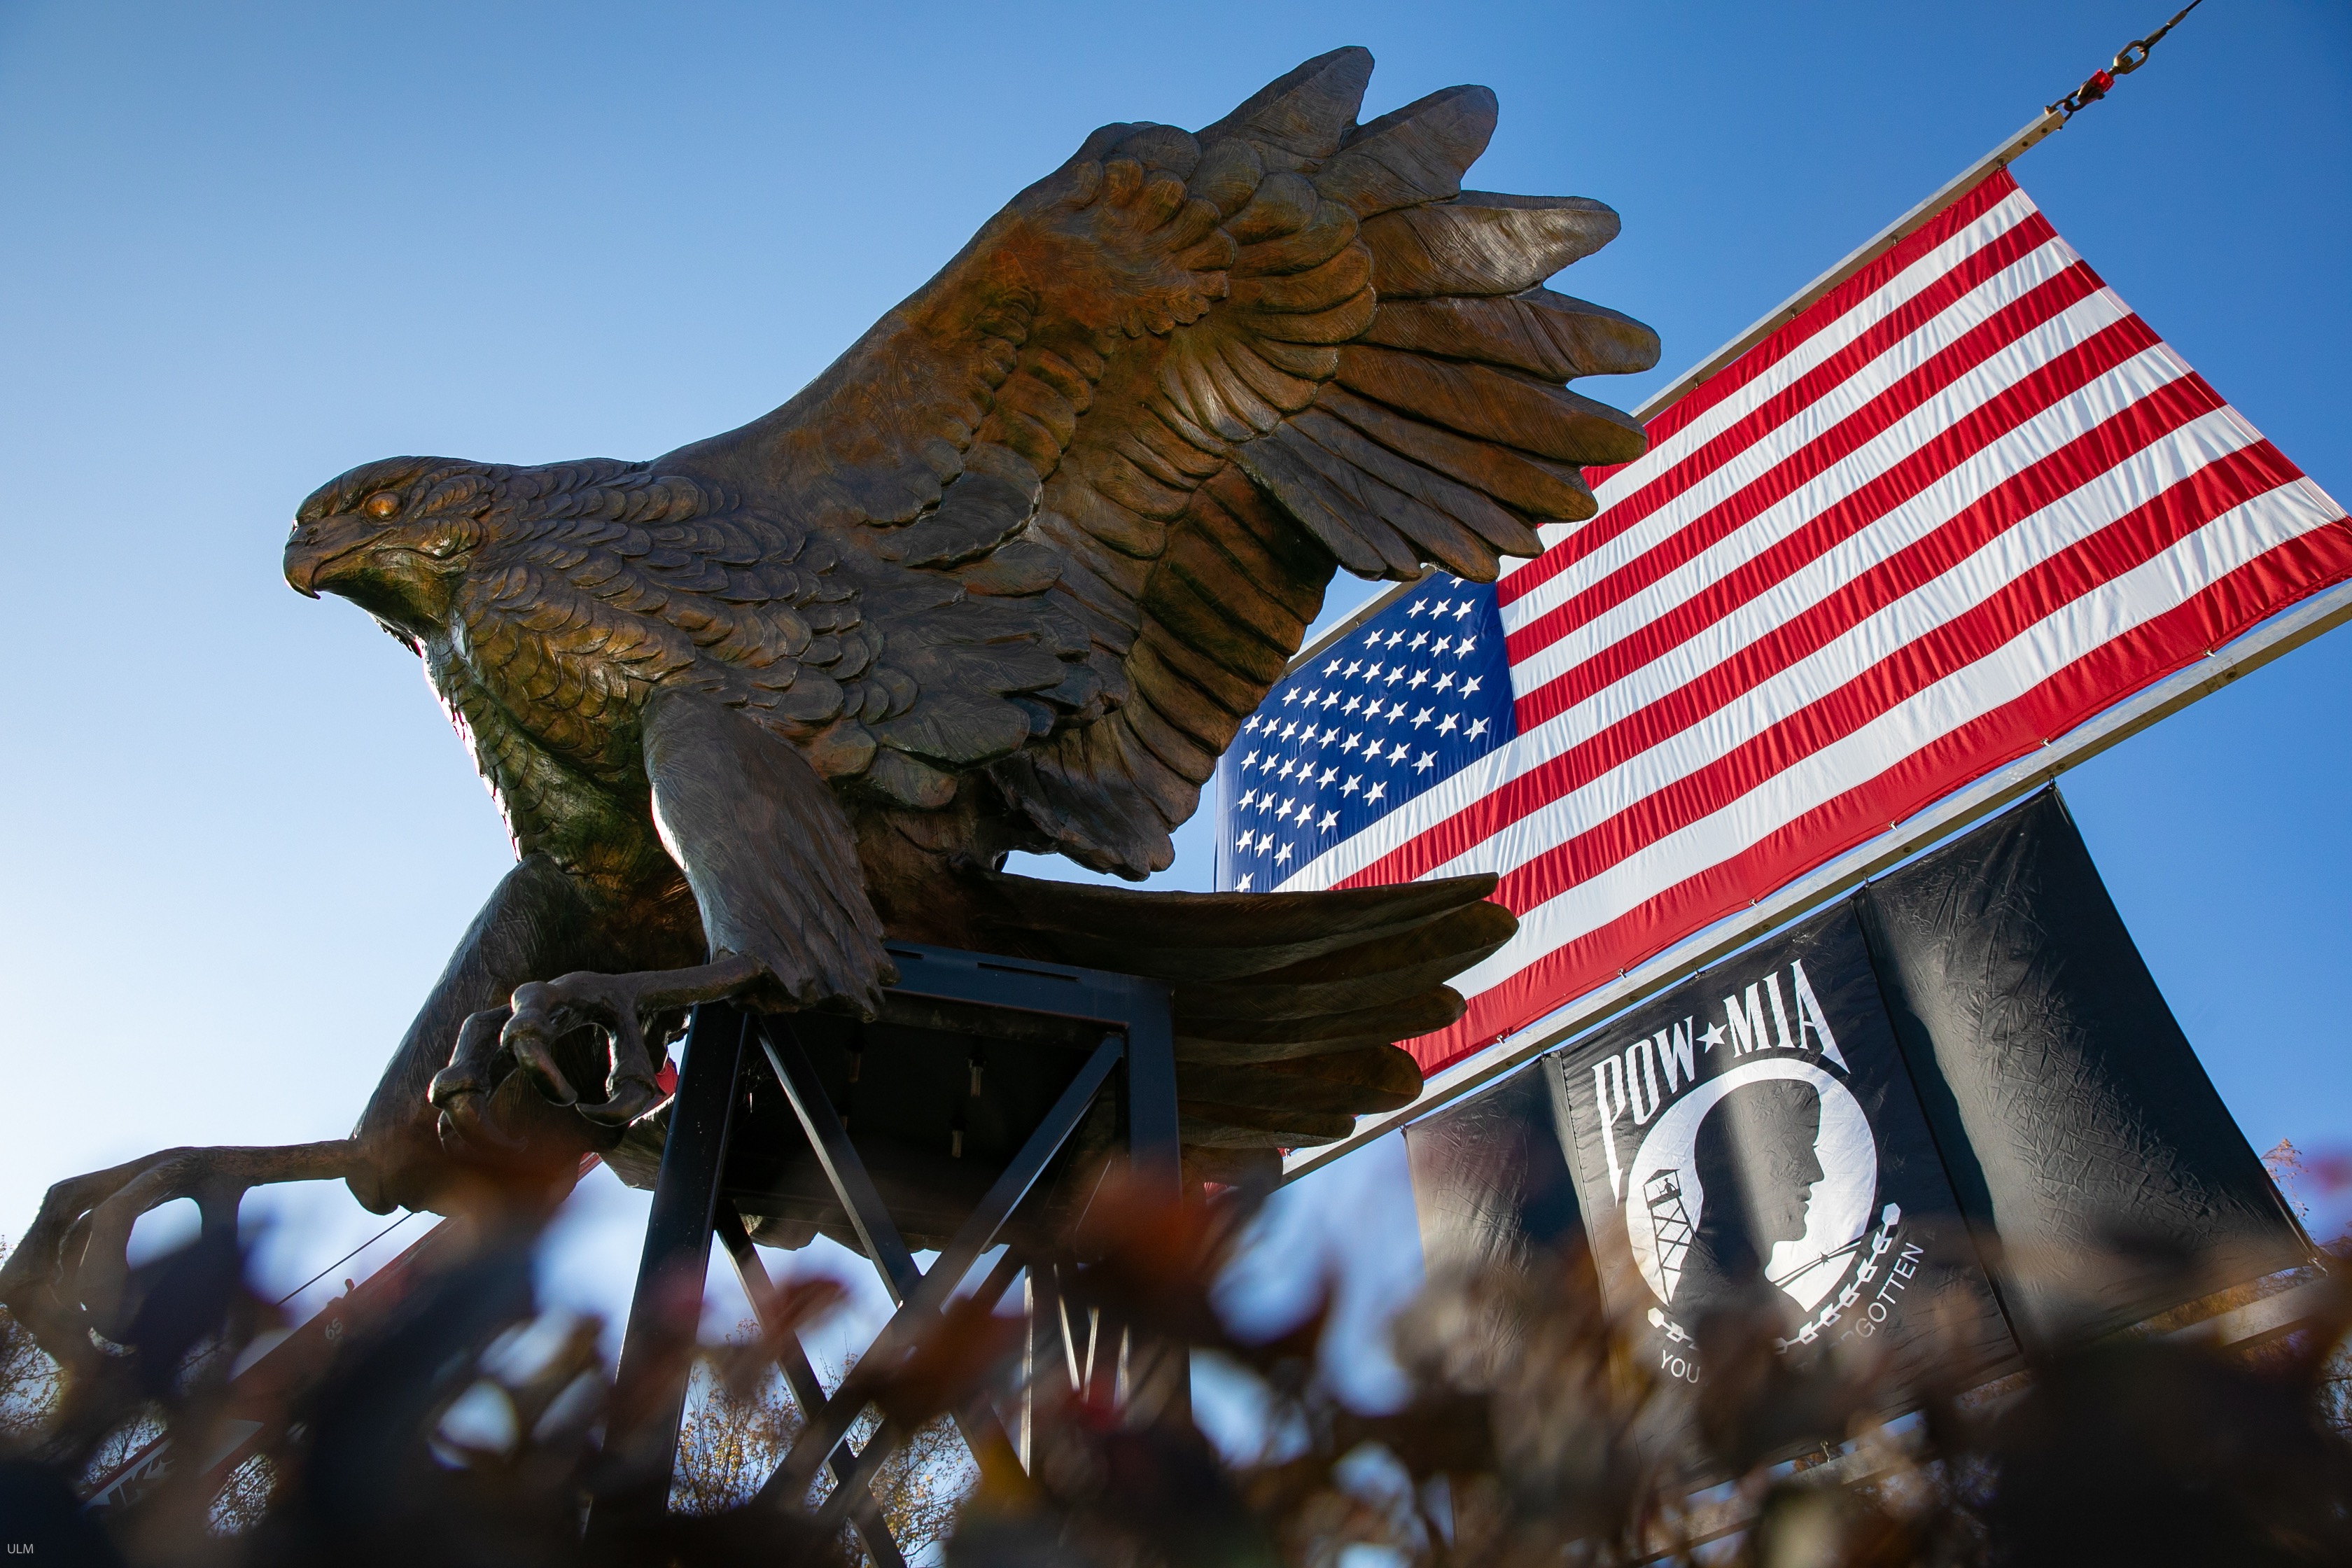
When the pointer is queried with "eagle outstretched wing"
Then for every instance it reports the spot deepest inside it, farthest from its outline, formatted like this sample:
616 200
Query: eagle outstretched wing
1156 402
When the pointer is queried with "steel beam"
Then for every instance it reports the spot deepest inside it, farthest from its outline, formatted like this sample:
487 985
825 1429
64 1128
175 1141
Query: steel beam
868 1216
657 1349
979 1233
923 1295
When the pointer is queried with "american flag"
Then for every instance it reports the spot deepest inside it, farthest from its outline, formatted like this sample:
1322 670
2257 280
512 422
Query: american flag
1960 504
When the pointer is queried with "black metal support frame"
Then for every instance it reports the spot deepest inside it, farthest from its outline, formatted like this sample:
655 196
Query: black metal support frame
688 1208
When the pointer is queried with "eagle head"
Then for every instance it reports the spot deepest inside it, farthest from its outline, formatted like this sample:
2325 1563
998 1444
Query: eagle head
394 538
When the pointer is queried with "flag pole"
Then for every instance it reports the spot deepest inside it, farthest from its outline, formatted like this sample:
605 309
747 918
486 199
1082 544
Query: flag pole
2130 58
1870 250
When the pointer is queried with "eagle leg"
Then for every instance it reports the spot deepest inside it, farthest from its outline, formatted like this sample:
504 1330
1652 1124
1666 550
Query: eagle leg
617 1006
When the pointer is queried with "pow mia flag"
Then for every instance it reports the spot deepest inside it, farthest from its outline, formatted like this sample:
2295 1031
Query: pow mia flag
1751 1142
1960 1086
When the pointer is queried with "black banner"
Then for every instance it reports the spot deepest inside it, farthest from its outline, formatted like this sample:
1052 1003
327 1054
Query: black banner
1951 1115
1751 1142
1489 1183
2101 1170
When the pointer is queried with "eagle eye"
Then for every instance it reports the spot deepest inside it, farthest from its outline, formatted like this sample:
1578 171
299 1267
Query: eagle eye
381 506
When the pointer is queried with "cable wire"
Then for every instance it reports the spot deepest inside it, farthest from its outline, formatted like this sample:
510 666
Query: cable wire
346 1258
2128 58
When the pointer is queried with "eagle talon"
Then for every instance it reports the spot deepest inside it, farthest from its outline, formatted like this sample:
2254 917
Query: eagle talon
618 1008
462 1125
68 1276
627 1099
532 1057
477 1063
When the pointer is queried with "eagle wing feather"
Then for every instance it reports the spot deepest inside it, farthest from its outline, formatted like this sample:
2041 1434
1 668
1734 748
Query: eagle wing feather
1094 478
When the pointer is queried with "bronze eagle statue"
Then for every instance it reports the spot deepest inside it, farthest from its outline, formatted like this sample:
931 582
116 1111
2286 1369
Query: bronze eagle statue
1009 575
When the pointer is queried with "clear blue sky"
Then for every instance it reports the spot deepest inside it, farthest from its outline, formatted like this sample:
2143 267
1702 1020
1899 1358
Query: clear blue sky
249 246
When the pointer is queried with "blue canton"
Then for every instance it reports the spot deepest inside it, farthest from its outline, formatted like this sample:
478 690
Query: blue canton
1403 701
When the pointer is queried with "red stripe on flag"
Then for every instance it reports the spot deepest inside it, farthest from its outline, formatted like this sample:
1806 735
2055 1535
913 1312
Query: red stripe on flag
2030 597
2018 498
1830 306
2027 599
1885 409
2078 463
2127 664
2049 384
1971 272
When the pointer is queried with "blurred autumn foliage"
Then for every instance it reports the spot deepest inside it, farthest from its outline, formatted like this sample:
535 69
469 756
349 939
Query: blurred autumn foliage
741 1423
464 1427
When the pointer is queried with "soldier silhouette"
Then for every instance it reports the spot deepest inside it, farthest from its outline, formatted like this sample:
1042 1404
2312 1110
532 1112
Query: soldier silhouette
1756 1166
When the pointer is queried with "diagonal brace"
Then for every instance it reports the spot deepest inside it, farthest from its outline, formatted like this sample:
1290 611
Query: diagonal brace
918 1296
864 1510
868 1216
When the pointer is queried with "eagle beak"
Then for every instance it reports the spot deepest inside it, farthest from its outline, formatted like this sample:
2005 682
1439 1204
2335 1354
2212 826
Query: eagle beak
317 547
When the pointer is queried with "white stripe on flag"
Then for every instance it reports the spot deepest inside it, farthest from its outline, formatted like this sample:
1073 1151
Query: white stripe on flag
2221 546
1938 504
1973 389
1984 574
1826 343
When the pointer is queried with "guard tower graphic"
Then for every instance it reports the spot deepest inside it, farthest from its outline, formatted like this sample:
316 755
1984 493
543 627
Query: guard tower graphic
1670 1222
